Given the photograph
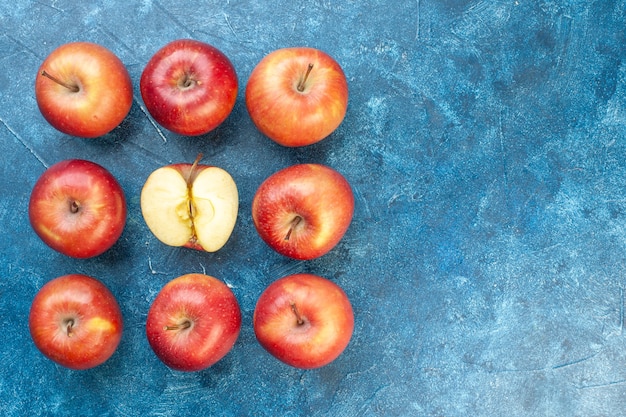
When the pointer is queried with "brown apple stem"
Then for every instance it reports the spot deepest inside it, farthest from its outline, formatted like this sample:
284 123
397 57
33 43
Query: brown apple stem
181 326
299 318
302 82
296 220
72 87
187 81
74 206
69 323
193 169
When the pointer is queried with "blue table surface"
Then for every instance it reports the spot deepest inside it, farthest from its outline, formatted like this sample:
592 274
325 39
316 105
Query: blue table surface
485 143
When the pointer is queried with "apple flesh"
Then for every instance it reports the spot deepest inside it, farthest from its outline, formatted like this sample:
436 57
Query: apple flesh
77 208
189 87
83 89
75 321
190 205
193 322
297 96
304 320
304 210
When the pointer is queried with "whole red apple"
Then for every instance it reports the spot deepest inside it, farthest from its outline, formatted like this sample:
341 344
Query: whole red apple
304 210
190 205
83 89
193 322
77 208
304 320
297 96
75 321
189 87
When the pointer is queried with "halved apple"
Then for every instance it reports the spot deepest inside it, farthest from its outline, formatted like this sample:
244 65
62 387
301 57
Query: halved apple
190 205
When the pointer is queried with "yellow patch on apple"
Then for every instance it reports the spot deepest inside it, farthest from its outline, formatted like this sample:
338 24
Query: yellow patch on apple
100 324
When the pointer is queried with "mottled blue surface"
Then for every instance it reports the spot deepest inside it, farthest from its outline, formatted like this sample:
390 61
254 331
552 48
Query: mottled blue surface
485 141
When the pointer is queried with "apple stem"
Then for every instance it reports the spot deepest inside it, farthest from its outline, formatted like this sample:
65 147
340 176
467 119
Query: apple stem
187 81
72 87
296 220
74 206
301 84
69 323
192 170
299 318
181 326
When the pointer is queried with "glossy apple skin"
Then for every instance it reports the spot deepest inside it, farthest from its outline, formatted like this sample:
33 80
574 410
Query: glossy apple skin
317 194
189 87
214 318
97 321
77 208
284 113
327 320
105 93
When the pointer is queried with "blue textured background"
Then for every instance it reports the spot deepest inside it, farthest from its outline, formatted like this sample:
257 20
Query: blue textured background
485 142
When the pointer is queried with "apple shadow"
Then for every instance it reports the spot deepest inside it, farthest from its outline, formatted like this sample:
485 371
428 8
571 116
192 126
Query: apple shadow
213 377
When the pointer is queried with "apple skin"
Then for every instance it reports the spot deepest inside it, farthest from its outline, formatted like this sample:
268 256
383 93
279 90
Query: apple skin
303 211
104 93
304 320
84 306
193 322
189 87
287 115
190 205
77 208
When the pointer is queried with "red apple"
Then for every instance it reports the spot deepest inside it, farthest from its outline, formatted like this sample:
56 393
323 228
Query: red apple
297 96
83 89
193 322
304 320
77 208
303 211
190 205
75 321
189 87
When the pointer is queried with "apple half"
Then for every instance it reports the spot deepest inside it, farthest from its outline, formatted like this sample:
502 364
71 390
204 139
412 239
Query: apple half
190 205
